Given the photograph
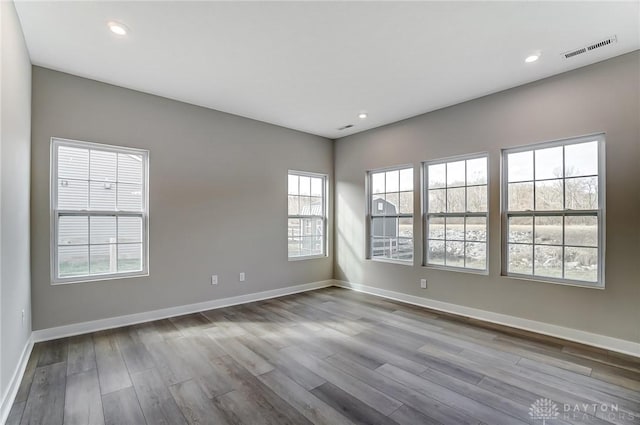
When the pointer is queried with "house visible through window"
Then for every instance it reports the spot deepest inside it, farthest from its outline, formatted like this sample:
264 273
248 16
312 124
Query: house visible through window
456 213
391 214
99 211
307 220
553 207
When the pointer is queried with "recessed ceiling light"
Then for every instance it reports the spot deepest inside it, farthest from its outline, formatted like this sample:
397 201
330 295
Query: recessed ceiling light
532 58
117 28
363 115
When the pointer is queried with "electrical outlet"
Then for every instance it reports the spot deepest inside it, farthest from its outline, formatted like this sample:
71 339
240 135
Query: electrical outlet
242 277
423 283
214 279
23 317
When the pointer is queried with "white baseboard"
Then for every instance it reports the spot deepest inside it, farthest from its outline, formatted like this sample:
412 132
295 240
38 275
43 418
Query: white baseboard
131 319
575 335
10 395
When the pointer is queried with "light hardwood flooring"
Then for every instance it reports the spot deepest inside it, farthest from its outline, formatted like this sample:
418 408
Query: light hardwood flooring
330 356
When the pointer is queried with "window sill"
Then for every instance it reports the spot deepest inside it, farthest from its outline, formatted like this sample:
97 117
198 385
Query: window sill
97 278
391 261
307 257
537 279
456 269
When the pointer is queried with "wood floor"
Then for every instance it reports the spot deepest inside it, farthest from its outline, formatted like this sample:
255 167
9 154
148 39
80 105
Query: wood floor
330 356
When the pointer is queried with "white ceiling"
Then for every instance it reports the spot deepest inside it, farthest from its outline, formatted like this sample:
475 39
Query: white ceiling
313 66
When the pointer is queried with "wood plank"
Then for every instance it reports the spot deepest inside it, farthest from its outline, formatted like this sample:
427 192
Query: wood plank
83 404
358 389
29 372
448 397
122 407
243 355
405 415
225 377
191 324
349 406
157 331
195 406
287 364
256 404
427 406
15 414
45 404
173 368
53 352
519 377
81 356
134 352
156 402
112 371
314 409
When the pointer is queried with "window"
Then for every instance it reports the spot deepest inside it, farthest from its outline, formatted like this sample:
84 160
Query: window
391 214
99 201
307 226
553 207
456 212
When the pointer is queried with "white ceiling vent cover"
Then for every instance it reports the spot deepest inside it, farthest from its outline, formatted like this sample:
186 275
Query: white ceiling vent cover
602 43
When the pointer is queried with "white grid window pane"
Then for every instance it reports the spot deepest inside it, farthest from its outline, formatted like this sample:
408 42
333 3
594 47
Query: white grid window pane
103 229
553 214
305 186
456 174
377 183
103 166
73 230
99 211
581 159
549 163
457 208
437 176
103 259
477 171
520 166
73 194
130 197
316 186
73 163
306 226
130 168
391 214
102 195
392 181
73 261
129 257
129 229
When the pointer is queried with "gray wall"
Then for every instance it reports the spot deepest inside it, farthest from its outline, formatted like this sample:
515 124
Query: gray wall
218 198
601 97
15 138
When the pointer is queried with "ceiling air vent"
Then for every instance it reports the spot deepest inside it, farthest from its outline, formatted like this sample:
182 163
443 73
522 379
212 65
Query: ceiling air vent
345 127
607 41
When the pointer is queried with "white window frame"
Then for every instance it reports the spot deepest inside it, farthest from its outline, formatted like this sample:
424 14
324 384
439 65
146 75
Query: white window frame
324 216
599 212
55 212
370 216
426 214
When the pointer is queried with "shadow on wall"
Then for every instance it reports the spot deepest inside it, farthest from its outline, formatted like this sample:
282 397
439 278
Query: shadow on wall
350 243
